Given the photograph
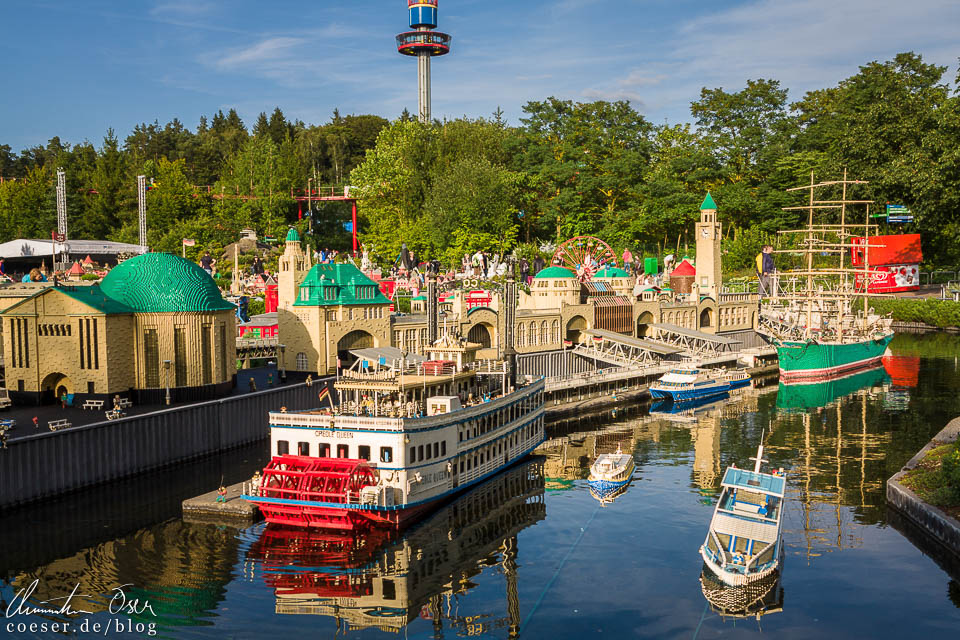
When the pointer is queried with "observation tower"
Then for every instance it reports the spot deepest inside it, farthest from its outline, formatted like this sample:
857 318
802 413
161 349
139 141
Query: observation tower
424 43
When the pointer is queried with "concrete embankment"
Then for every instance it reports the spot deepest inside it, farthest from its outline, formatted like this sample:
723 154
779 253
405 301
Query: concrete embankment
927 517
233 508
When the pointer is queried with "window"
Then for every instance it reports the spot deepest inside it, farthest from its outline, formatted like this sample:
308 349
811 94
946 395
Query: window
303 448
420 453
222 352
323 450
301 361
429 455
363 451
179 357
283 447
90 387
386 454
96 346
205 353
151 358
343 451
82 361
443 448
413 454
436 449
389 590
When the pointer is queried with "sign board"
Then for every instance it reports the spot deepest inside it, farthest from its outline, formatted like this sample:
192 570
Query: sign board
898 214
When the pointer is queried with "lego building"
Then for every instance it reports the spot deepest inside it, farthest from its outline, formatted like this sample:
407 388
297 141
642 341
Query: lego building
325 311
155 321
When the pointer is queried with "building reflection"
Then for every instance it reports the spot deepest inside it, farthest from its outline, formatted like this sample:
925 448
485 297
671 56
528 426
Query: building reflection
376 578
181 568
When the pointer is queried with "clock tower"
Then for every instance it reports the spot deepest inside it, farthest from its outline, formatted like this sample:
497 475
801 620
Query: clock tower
709 278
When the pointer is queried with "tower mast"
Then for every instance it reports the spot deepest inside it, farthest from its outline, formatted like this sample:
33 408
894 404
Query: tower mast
424 43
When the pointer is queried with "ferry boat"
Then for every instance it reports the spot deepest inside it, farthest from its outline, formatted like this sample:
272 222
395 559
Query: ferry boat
737 378
744 543
610 474
408 433
689 384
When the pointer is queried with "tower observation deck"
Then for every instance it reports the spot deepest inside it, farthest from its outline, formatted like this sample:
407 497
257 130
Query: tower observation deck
424 43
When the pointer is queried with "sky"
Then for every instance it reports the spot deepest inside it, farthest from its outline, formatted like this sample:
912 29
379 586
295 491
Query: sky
74 68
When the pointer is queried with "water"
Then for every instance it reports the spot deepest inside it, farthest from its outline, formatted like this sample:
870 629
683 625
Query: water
532 551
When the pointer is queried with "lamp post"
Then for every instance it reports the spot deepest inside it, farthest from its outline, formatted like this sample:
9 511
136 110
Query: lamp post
283 366
166 377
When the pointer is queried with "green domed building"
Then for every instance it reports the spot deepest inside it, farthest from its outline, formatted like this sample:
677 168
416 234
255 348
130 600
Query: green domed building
155 321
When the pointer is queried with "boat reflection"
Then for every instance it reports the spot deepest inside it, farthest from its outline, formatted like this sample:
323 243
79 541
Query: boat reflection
378 578
752 600
801 397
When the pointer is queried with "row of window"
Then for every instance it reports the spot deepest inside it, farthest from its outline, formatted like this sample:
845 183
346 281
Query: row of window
535 333
343 450
89 344
422 452
485 454
53 329
151 355
19 343
735 315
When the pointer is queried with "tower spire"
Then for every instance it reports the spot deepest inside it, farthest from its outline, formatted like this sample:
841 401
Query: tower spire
424 43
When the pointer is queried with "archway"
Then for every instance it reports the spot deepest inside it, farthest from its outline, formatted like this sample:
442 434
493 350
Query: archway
54 386
575 329
481 334
706 318
358 339
643 324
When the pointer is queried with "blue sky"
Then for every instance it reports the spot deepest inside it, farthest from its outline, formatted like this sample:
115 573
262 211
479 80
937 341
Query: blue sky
73 68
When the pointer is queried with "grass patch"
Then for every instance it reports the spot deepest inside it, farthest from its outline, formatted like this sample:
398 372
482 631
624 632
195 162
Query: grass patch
936 313
936 479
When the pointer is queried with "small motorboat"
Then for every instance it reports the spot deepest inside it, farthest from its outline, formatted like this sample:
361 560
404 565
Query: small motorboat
689 384
744 542
737 378
610 474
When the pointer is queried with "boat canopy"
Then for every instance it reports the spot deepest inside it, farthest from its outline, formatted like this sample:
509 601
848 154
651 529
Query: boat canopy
751 481
680 376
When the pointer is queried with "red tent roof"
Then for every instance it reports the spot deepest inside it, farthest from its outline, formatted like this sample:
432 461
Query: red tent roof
684 269
76 269
88 260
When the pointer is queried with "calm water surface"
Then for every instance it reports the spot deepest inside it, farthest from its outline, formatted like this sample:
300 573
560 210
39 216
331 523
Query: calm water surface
532 552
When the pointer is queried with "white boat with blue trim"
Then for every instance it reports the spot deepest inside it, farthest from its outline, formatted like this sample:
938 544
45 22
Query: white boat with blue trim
610 474
408 433
744 543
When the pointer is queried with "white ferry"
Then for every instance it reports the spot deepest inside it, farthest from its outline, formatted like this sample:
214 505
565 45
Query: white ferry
610 474
744 542
408 433
682 384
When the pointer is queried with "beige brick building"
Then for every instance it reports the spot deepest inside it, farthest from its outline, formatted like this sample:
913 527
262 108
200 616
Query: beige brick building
156 321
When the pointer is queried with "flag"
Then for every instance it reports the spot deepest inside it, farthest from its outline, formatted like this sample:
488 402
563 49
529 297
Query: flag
189 242
568 343
300 212
323 394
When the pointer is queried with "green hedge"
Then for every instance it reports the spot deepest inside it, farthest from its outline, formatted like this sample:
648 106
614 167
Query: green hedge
937 313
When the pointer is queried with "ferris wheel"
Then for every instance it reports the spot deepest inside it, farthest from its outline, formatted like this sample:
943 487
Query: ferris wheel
584 255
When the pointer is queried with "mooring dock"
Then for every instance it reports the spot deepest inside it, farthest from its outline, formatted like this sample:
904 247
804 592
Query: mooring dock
206 508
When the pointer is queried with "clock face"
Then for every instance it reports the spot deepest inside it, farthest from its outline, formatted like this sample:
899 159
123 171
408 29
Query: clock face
705 232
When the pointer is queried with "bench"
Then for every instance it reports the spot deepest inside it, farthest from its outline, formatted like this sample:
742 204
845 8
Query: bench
114 414
59 424
93 404
124 403
5 403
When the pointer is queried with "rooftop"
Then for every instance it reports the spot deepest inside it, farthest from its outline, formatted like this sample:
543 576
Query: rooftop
338 284
556 272
163 282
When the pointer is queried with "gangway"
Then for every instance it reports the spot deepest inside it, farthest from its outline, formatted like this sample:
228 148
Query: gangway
625 351
694 343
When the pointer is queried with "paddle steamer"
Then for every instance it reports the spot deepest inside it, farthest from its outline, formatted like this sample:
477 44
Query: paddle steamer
408 433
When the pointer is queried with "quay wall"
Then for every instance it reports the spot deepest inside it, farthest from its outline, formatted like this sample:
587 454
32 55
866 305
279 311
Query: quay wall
48 464
937 524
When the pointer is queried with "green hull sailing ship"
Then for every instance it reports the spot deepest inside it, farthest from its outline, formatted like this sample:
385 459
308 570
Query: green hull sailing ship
815 328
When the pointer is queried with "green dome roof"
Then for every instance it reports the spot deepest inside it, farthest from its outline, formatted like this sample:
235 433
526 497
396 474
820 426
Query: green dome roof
292 235
163 282
611 272
556 272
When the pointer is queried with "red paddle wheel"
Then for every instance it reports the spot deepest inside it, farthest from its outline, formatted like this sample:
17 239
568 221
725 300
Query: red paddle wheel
333 481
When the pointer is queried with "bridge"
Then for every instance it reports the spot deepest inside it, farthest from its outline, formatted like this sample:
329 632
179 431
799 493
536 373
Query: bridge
694 343
624 351
248 350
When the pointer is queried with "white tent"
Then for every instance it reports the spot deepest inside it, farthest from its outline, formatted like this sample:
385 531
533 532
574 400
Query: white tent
41 249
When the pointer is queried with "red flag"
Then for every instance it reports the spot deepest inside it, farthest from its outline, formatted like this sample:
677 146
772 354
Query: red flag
300 211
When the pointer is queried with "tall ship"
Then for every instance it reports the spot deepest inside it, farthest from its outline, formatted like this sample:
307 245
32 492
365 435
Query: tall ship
816 322
408 433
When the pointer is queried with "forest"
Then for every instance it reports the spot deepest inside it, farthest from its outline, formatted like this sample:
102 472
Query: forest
564 169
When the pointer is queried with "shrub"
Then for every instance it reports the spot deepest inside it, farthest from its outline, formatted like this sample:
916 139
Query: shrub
951 472
89 276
